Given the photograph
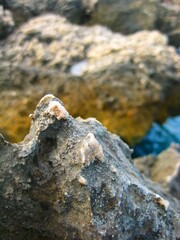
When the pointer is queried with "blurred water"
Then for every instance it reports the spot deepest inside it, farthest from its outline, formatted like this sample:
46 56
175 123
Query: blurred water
159 138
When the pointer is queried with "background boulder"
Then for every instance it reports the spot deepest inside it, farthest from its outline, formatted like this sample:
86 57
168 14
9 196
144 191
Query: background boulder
6 23
123 81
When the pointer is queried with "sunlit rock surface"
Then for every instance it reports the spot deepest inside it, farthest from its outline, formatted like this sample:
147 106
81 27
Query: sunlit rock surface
72 179
163 169
125 82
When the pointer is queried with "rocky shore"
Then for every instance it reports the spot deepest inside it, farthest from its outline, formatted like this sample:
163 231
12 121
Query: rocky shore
72 179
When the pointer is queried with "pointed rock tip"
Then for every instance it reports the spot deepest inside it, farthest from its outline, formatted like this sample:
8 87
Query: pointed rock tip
52 106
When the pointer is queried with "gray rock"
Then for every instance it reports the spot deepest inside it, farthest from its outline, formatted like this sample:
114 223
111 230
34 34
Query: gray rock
6 23
168 21
163 169
132 16
72 179
26 9
126 16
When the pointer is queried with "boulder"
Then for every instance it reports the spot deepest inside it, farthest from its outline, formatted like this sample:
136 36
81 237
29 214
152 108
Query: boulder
72 179
123 81
168 21
6 23
125 16
24 10
163 169
132 16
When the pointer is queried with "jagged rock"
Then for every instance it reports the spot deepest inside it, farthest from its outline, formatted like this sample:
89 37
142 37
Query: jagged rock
6 23
163 169
94 71
71 179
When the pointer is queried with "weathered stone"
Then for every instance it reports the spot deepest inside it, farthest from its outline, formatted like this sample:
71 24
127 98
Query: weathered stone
126 16
122 81
132 16
6 23
47 191
168 21
24 10
163 169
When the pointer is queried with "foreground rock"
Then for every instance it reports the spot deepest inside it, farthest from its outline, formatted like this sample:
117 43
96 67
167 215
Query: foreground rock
122 81
6 23
163 169
71 179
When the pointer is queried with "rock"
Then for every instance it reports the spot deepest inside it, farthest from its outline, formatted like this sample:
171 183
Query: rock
6 23
132 16
124 81
163 169
47 191
24 10
119 15
125 16
168 21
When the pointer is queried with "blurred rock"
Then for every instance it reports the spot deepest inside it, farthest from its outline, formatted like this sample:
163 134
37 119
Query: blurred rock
126 16
132 16
73 10
72 179
168 21
163 169
6 23
122 81
119 15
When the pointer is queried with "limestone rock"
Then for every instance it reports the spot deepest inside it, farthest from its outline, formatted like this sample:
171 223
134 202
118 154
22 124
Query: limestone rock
122 81
48 193
163 169
6 23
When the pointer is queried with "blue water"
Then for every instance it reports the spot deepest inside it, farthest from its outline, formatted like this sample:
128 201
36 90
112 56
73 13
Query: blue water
159 137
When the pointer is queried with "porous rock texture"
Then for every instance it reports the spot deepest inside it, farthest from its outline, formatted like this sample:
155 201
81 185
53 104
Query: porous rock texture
163 169
72 179
132 16
6 23
119 15
122 81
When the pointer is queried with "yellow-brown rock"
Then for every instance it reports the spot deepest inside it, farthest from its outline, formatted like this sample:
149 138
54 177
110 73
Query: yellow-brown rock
122 81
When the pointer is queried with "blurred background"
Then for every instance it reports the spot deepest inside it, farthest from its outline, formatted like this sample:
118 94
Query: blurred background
115 60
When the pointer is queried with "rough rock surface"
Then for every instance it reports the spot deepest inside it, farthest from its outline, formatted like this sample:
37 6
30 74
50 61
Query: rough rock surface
119 15
72 179
163 169
6 23
132 16
128 78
